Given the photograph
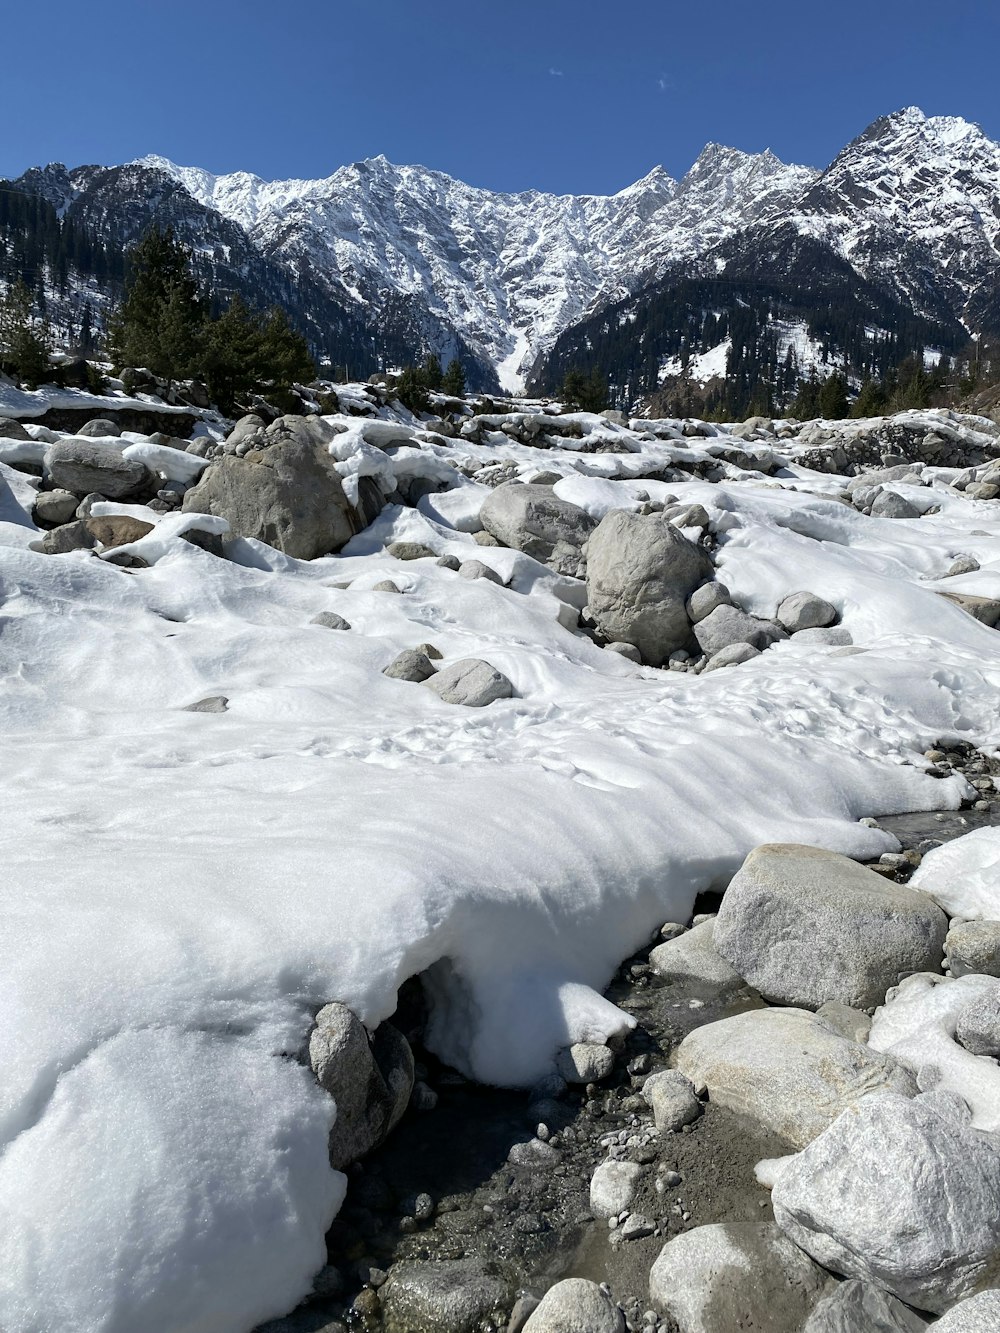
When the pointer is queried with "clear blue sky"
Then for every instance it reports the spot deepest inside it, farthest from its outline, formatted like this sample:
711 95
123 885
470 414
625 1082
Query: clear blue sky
564 95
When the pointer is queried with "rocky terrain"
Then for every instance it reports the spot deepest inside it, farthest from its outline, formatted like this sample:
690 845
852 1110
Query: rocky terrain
507 869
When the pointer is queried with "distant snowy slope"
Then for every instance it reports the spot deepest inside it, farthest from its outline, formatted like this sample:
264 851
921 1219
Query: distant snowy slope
509 271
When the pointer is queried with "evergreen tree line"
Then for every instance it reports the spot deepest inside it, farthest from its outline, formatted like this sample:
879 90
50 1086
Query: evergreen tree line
684 318
414 384
41 249
166 324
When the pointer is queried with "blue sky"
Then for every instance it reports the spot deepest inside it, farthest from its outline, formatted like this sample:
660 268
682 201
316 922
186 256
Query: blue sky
563 95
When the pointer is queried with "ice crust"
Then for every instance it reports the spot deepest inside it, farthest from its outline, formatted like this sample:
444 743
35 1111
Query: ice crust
182 891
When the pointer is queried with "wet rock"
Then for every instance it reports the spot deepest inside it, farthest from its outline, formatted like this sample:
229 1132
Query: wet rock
449 1297
737 1275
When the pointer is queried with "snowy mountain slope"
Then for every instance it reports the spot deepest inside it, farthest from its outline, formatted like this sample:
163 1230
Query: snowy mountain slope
510 272
913 204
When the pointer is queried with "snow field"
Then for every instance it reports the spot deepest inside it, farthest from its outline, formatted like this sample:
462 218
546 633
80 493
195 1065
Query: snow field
183 891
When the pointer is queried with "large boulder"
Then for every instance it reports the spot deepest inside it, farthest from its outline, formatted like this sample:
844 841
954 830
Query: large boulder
288 494
573 1305
727 625
533 519
640 572
859 1307
453 1296
785 1069
804 926
81 466
735 1275
900 1194
370 1079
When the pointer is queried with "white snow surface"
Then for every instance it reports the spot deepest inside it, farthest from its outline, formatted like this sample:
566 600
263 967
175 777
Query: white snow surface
963 876
182 891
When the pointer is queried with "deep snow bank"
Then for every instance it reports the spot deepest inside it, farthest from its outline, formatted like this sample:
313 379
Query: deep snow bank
183 890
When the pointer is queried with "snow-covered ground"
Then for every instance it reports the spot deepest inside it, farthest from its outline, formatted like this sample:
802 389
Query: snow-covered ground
182 890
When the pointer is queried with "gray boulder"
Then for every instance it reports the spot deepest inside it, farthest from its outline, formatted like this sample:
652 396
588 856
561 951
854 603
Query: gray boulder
888 504
627 650
369 1079
858 1307
694 957
804 610
453 1296
409 665
288 495
978 1027
671 1098
735 1275
75 536
727 625
613 1187
804 926
532 518
585 1062
574 1305
705 599
899 1195
12 430
53 508
976 1314
100 426
786 1070
640 572
973 946
80 466
470 682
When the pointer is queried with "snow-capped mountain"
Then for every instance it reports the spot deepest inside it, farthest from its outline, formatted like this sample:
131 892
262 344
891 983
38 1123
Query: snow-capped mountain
382 263
508 272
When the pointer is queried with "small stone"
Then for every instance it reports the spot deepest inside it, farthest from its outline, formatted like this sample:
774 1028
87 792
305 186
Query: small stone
636 1226
672 1099
330 620
448 562
705 599
613 1187
585 1062
476 569
628 650
409 551
385 585
214 703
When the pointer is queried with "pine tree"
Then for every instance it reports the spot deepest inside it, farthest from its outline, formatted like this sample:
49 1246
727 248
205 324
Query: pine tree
833 405
453 382
24 344
159 324
431 372
411 390
870 401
